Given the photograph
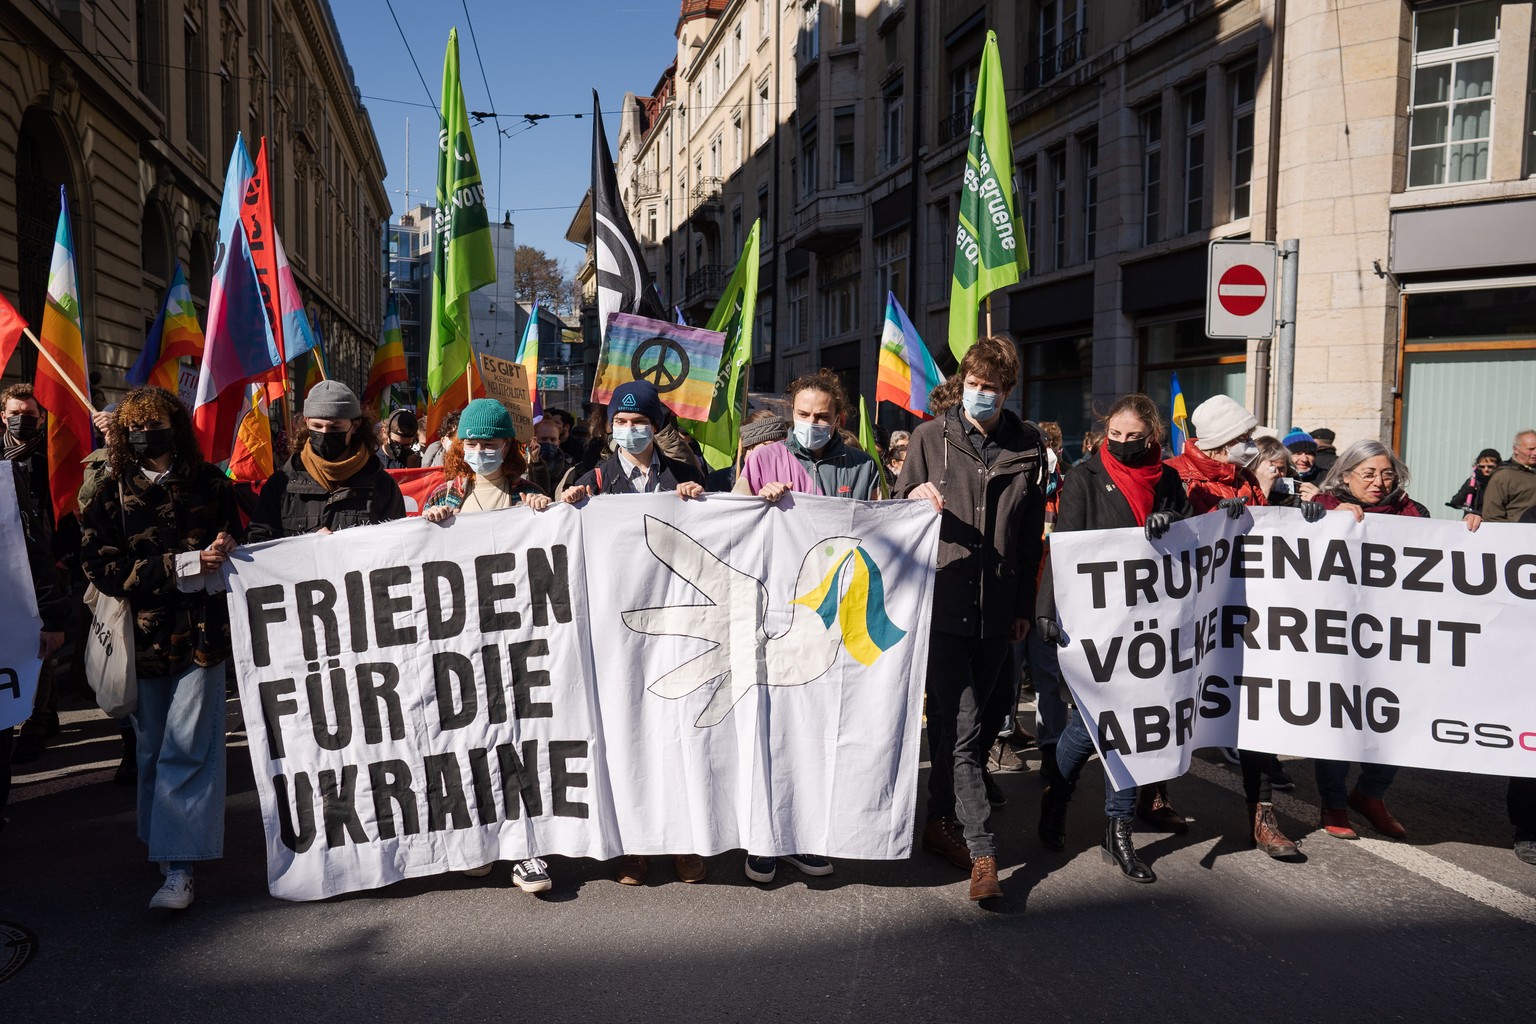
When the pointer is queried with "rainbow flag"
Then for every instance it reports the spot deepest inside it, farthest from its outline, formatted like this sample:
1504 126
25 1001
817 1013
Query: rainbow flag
250 459
388 359
1178 419
907 372
176 335
528 355
681 361
62 386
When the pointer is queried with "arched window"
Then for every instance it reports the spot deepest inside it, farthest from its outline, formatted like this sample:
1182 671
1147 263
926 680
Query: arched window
42 166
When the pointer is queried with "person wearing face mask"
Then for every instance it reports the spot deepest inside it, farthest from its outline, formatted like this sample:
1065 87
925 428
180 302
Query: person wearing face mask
637 465
484 466
334 480
24 446
813 459
157 534
399 435
547 461
982 469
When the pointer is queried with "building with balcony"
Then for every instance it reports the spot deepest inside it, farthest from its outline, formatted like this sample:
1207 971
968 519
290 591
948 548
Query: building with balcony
133 108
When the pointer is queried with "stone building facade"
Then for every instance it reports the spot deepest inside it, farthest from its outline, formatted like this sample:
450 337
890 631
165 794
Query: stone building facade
133 106
1392 138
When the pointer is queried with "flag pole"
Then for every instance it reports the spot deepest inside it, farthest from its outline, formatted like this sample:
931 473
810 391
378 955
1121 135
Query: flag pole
65 377
989 315
469 380
746 390
319 363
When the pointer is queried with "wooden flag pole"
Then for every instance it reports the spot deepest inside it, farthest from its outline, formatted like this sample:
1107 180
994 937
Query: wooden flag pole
469 380
989 315
319 363
69 381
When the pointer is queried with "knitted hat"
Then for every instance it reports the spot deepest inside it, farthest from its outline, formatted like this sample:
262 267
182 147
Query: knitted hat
1219 420
1323 434
332 400
1300 442
764 430
1489 453
638 396
403 421
485 419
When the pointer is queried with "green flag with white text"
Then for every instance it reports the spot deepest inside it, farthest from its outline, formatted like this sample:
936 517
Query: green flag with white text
463 256
719 434
989 241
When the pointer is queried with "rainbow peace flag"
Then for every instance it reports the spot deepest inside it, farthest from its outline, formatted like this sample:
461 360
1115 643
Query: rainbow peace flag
62 384
388 359
1178 419
176 334
907 372
860 612
528 355
681 361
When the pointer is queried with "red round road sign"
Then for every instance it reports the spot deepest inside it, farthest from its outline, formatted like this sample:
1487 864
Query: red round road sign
1242 290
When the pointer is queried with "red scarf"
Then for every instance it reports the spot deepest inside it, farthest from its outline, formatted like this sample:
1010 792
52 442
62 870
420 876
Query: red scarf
1402 506
1139 482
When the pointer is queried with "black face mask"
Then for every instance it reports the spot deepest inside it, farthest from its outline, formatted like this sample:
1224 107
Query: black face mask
330 445
151 444
1128 452
21 426
395 450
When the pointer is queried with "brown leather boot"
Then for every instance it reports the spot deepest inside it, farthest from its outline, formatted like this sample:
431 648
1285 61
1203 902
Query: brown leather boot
1266 832
1375 811
1154 808
984 883
942 836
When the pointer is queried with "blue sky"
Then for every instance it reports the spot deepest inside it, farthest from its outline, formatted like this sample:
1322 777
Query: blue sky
541 58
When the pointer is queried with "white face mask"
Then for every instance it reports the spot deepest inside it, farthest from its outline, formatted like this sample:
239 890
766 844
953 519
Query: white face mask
1242 453
483 462
632 438
981 405
813 437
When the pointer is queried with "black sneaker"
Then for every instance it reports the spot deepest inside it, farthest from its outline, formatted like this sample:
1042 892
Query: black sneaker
761 869
532 876
809 864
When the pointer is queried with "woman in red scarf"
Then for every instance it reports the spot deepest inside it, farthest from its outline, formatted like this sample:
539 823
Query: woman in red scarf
1122 484
1368 477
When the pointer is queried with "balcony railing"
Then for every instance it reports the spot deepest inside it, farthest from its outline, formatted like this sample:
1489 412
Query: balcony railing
647 183
705 194
1152 8
954 126
707 280
1057 61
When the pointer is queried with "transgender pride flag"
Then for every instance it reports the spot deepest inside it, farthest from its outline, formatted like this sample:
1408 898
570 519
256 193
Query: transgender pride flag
908 374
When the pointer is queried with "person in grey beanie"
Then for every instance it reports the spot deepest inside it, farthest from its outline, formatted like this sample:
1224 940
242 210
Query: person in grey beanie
334 479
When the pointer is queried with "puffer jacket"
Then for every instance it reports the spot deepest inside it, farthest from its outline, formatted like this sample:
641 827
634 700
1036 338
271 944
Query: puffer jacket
990 532
1208 482
293 502
131 538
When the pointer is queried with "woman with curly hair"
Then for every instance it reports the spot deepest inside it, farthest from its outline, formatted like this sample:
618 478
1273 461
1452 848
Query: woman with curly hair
483 466
156 534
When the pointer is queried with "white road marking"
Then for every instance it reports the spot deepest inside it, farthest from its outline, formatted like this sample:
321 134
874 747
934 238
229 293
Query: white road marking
1413 859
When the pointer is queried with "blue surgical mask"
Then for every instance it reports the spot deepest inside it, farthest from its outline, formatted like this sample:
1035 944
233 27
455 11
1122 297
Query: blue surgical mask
980 405
632 438
813 437
484 462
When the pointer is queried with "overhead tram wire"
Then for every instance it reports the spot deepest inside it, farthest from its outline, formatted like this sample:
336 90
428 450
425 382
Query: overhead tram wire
412 54
501 136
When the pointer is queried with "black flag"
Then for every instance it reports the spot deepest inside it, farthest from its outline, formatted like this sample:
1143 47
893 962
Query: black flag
623 281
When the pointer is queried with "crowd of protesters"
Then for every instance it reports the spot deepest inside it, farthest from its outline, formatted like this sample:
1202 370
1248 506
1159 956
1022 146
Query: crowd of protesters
156 522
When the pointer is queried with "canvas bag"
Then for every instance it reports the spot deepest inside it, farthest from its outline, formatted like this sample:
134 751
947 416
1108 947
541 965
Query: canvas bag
109 652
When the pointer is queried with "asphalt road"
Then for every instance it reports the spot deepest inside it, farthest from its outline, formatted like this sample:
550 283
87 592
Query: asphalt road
1442 927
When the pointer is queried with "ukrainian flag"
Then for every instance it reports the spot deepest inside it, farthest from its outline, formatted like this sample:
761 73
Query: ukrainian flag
1178 419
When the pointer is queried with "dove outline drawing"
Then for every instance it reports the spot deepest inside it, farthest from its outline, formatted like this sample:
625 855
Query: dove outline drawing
839 603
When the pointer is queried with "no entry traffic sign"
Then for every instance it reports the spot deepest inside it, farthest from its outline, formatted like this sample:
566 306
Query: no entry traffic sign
1240 292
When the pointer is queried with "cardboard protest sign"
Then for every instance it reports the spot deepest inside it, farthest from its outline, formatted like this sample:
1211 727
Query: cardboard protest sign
1395 641
507 382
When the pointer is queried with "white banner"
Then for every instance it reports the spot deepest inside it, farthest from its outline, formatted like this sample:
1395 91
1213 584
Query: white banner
644 675
19 621
1397 641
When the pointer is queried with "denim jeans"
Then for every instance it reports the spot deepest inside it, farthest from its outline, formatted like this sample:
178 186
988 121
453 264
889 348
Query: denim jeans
961 673
1521 800
1073 750
1051 711
179 727
1333 777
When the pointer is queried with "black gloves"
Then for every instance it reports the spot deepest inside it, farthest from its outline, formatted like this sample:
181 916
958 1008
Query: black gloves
1049 631
1158 523
1233 507
1311 511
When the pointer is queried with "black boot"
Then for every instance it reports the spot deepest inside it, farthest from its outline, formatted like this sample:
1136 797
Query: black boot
1120 851
1050 774
1053 817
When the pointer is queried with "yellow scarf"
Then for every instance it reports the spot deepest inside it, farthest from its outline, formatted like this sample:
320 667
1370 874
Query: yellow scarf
331 475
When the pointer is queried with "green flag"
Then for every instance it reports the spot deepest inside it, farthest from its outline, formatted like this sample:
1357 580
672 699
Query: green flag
871 448
989 242
463 257
718 435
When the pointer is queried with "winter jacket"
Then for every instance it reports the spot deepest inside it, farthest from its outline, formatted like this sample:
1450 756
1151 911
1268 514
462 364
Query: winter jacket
53 604
1510 491
990 531
840 471
293 502
611 476
1468 499
1402 506
134 529
1208 482
1090 500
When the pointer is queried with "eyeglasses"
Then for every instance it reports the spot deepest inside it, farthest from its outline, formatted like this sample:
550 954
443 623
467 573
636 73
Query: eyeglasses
1370 476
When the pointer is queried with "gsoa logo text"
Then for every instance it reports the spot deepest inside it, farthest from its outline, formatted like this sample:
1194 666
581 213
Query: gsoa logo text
1482 734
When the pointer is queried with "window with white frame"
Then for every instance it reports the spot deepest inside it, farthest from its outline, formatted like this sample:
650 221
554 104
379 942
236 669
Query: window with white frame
764 17
1089 148
738 139
762 330
799 310
1192 103
738 49
808 160
1450 122
716 147
810 31
1151 174
838 290
1244 83
893 146
890 271
1058 161
650 233
843 169
719 66
1060 20
763 113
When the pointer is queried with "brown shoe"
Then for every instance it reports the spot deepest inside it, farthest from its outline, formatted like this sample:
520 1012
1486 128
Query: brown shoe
690 867
984 883
1154 808
1335 822
1375 811
1266 832
632 870
942 836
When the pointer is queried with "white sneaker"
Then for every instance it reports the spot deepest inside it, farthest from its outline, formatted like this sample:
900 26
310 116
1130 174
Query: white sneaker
532 876
175 894
479 872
